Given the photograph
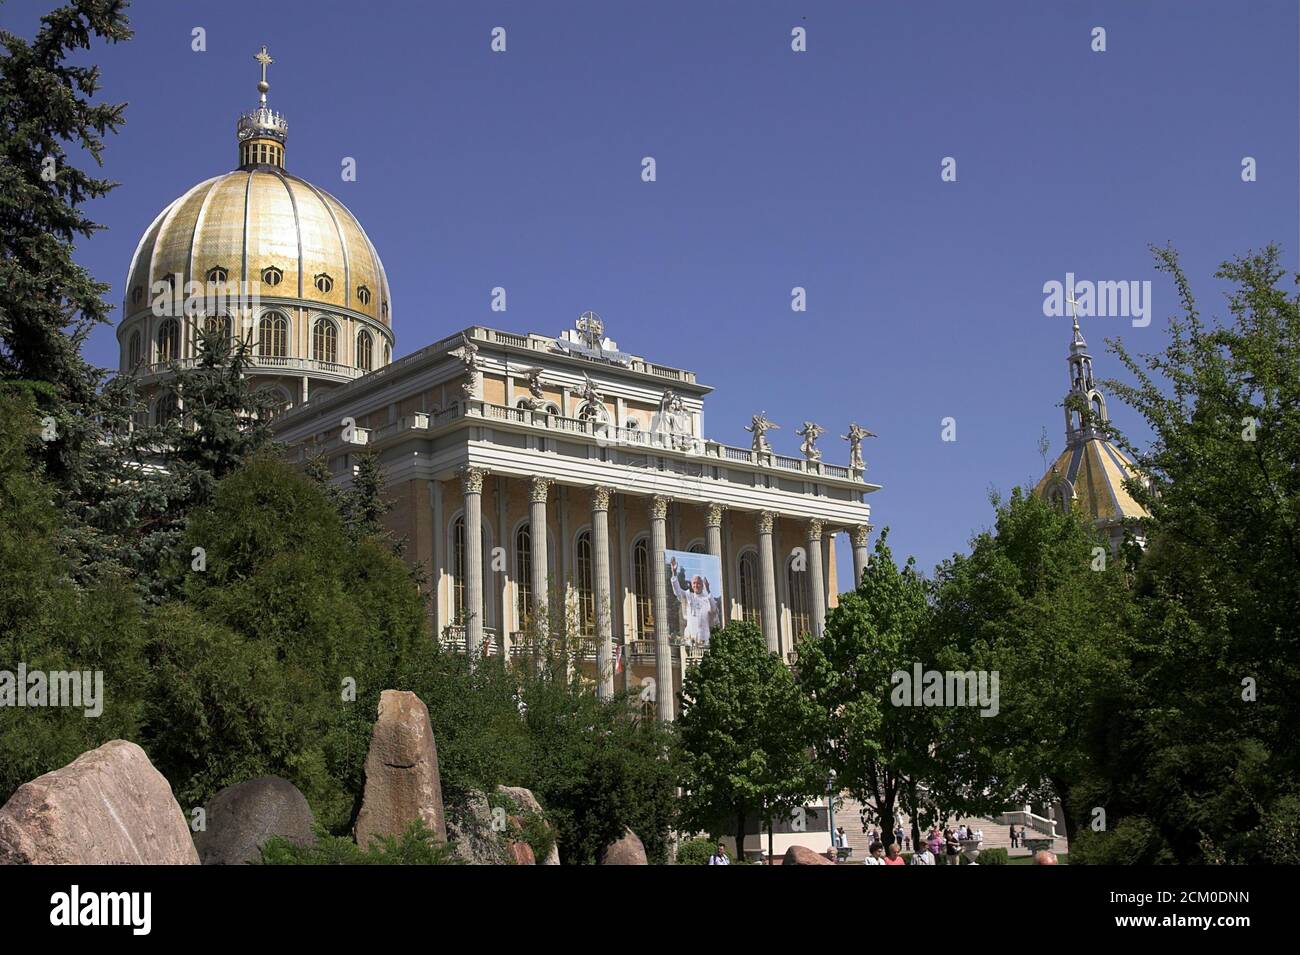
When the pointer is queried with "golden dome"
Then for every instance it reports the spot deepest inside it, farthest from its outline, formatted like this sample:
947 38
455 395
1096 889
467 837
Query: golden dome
1090 475
261 225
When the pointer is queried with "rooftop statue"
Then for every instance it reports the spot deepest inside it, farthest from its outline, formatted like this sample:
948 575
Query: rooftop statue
671 425
854 438
536 399
759 426
810 432
468 355
593 403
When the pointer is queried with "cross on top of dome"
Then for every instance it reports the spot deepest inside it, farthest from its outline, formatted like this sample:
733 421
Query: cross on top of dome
262 132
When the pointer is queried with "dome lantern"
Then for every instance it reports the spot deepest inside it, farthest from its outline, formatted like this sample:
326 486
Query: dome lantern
262 132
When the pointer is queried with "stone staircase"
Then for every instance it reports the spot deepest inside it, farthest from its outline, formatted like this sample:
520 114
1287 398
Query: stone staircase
997 834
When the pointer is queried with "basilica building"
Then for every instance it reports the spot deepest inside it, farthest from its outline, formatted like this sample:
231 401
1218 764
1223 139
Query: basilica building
548 484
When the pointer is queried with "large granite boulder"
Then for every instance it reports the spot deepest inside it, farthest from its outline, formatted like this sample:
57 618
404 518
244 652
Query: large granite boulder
109 806
527 802
402 783
242 817
469 829
802 855
627 850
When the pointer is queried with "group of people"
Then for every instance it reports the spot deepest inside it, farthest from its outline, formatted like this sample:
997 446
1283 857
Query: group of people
936 845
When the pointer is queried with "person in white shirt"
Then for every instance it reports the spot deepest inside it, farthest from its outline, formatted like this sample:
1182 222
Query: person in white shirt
719 857
877 856
698 604
922 855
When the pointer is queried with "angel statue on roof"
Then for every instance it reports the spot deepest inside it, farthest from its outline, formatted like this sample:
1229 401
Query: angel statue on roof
467 353
810 432
854 438
759 426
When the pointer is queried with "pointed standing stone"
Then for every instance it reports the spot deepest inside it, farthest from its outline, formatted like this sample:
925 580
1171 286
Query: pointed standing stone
402 783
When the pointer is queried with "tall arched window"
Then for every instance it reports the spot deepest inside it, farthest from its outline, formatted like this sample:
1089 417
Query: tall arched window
169 340
750 605
641 583
458 569
586 591
365 350
217 323
166 408
800 621
325 341
133 351
273 336
524 570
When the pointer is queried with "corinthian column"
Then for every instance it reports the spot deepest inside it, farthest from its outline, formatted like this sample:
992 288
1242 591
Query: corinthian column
540 575
471 483
861 534
713 535
816 579
604 620
767 575
663 650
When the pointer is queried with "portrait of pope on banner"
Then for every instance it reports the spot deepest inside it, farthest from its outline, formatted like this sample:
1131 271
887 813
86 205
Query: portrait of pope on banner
693 579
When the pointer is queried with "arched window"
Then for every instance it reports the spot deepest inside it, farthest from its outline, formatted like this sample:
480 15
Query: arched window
365 350
219 324
325 341
641 584
273 336
216 275
169 340
166 408
750 605
458 570
324 283
388 353
586 591
800 621
363 295
272 276
696 548
133 350
137 293
523 570
278 397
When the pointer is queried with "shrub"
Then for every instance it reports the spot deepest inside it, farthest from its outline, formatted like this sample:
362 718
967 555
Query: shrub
994 857
417 846
696 852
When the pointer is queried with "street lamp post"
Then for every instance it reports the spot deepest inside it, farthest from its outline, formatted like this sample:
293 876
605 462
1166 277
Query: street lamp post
830 812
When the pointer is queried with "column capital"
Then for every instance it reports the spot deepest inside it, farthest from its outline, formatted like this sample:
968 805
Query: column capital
713 515
766 521
471 479
659 507
861 535
815 528
538 488
600 495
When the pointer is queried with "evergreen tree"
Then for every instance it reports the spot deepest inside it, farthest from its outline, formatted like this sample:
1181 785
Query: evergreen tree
49 303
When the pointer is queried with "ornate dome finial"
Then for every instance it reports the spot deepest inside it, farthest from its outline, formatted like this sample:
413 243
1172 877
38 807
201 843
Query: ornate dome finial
261 132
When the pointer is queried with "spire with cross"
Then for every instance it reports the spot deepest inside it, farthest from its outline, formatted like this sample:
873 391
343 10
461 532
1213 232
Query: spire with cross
265 59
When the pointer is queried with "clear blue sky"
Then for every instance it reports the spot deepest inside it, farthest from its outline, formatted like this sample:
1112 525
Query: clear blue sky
775 169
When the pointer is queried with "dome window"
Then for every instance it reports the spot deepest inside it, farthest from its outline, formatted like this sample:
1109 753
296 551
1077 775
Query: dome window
325 341
167 408
365 351
169 340
388 353
385 308
137 293
363 295
273 336
272 276
324 283
217 275
133 351
218 325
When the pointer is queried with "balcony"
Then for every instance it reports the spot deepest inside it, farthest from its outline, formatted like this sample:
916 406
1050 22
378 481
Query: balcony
266 364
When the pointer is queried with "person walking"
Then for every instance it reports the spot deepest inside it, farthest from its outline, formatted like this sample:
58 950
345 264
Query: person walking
922 855
876 856
953 846
719 856
891 855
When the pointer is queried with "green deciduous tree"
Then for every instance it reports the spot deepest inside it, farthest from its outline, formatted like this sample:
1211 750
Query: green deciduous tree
746 734
1200 752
